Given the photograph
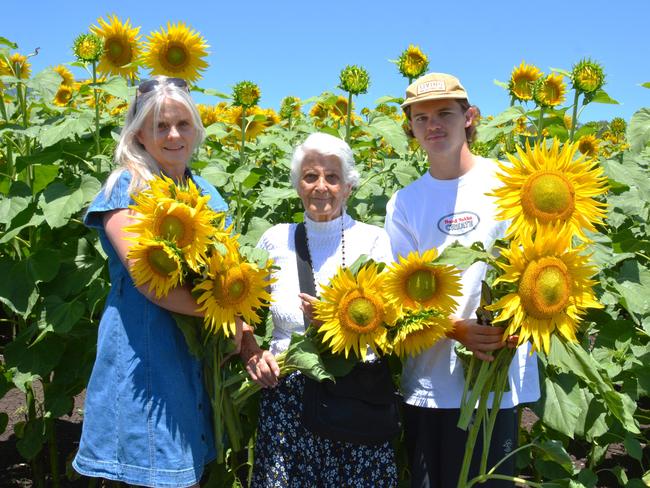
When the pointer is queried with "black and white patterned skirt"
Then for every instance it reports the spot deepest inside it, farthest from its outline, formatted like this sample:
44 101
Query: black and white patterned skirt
288 455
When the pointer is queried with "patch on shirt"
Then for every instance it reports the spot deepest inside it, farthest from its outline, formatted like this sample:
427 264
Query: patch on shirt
458 224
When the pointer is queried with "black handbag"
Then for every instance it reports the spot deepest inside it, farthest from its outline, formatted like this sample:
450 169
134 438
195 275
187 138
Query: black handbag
361 407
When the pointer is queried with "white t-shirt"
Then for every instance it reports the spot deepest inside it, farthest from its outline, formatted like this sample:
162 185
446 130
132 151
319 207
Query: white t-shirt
325 248
435 213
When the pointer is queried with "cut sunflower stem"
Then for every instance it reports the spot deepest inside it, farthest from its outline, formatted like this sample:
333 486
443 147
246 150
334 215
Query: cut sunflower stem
216 400
471 440
467 408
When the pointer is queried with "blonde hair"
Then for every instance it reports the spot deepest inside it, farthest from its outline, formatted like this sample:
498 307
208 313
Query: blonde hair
130 154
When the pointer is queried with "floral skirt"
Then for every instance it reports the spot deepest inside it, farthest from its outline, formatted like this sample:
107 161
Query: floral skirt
288 455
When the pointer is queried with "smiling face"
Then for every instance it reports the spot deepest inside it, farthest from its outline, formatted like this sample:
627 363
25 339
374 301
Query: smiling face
321 187
170 139
439 125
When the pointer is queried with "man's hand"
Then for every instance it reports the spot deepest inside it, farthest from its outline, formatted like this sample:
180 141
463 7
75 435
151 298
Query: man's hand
480 339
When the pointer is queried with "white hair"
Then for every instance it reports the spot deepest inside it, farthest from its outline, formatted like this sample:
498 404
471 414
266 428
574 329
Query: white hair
130 154
325 145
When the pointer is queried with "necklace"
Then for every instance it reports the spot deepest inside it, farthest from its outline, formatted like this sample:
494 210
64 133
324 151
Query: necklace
342 247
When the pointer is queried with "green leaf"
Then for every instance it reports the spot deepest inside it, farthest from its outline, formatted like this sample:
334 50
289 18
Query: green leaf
43 265
59 201
32 438
601 96
57 401
6 42
218 130
633 284
12 206
388 99
646 85
490 130
302 355
117 87
43 176
405 172
62 316
190 327
463 257
502 84
638 130
554 450
70 127
17 288
560 411
46 83
38 359
633 447
561 71
391 131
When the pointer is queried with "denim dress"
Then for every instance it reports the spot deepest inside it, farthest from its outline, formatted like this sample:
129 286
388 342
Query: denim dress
147 416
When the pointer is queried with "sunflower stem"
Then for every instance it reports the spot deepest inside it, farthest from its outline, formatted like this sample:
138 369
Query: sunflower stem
467 409
502 364
574 117
471 440
216 399
540 123
349 116
98 166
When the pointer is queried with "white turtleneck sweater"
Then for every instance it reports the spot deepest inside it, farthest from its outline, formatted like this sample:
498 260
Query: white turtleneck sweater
325 249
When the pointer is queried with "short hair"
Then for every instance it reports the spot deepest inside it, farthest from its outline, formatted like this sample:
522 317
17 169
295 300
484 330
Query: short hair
130 154
325 145
470 132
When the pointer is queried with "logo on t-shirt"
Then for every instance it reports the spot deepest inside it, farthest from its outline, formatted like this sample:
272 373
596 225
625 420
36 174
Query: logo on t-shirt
458 224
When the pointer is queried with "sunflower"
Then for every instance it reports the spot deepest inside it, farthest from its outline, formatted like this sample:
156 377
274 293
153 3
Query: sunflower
121 46
179 51
354 312
161 187
588 145
67 78
419 330
547 185
587 76
255 126
290 108
618 126
88 48
354 79
16 65
521 127
155 263
412 63
552 288
211 114
63 95
522 80
232 288
415 282
549 91
246 94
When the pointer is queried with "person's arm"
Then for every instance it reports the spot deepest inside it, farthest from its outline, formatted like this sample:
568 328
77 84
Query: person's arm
260 364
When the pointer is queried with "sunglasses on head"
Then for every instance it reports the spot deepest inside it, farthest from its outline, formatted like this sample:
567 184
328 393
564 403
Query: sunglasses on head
148 85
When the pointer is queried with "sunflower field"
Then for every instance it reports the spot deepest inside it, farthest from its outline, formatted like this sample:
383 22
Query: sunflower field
57 137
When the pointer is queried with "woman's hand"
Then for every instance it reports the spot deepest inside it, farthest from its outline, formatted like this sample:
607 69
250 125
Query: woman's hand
307 303
480 339
260 365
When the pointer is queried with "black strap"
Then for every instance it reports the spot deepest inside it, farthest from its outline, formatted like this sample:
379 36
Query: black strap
303 261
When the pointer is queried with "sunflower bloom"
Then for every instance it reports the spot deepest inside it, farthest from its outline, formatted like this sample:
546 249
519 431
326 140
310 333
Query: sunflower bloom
546 185
122 46
618 126
354 312
412 63
63 95
587 76
264 118
16 65
88 48
211 114
246 94
418 330
67 78
156 264
415 282
233 288
178 51
552 288
354 79
522 80
549 91
290 108
588 145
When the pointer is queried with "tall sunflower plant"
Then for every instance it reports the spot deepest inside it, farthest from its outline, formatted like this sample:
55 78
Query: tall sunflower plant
178 240
540 285
372 310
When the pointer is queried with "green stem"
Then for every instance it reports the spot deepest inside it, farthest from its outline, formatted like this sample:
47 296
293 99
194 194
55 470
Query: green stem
468 375
349 117
467 409
574 117
3 107
36 463
503 359
231 420
54 454
514 479
540 123
242 154
216 402
471 441
98 167
251 458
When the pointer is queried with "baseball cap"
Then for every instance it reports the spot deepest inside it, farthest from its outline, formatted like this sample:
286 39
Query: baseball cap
434 86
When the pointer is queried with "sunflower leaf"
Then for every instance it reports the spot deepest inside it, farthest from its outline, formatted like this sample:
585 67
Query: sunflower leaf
302 354
638 130
6 42
646 84
463 257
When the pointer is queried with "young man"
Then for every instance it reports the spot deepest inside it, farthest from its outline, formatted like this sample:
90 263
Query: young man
445 205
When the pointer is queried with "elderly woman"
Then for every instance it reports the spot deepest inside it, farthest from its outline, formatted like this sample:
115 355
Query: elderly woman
287 454
146 414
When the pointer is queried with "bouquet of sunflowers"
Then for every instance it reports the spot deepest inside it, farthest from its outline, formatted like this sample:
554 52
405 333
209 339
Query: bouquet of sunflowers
179 240
542 286
400 309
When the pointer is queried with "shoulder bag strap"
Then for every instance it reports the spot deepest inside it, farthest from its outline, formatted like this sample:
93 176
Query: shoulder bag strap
303 260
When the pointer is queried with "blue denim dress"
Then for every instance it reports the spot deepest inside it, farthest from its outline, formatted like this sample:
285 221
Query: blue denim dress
146 416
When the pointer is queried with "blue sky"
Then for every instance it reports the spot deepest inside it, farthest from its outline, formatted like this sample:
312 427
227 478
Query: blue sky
298 47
